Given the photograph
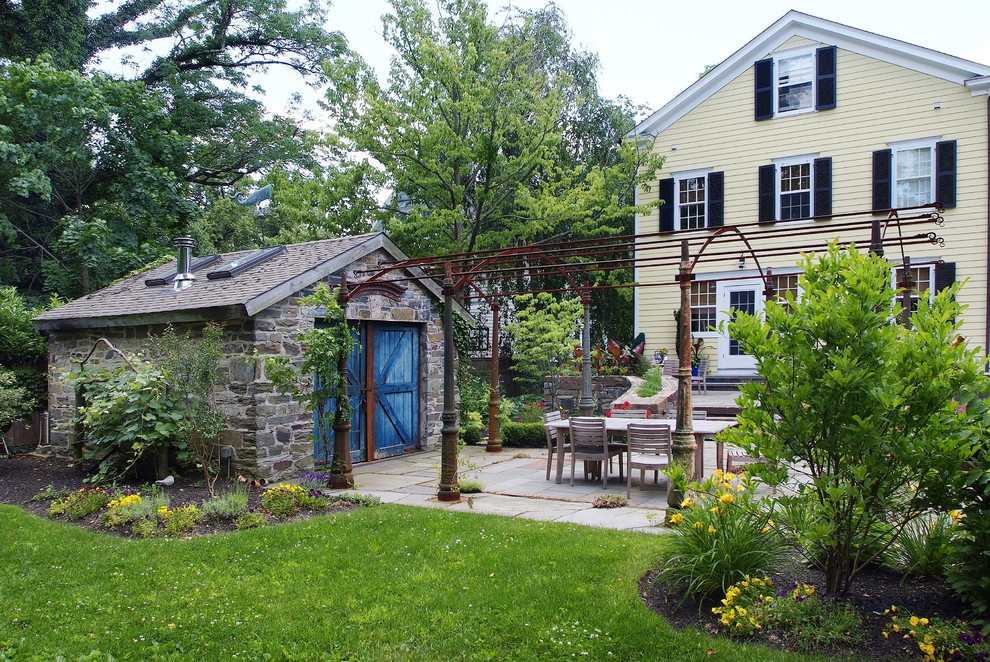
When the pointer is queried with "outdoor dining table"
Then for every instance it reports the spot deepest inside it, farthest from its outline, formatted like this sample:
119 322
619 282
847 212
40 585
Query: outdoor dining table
617 427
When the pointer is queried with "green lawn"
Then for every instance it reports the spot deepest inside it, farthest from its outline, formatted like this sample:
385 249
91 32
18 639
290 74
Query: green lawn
382 583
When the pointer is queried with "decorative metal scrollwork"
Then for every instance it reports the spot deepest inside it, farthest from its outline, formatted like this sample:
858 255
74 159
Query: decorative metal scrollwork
935 240
937 219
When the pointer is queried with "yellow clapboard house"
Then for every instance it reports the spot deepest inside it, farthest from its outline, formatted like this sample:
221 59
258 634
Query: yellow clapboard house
810 119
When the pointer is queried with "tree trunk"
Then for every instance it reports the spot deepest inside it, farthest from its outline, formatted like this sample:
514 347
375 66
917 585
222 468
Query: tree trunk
161 463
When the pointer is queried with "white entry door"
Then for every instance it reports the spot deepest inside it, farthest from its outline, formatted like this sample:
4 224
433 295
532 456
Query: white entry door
745 296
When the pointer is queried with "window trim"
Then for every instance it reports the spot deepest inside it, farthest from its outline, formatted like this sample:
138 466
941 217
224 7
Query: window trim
899 146
799 51
923 263
712 332
678 178
779 164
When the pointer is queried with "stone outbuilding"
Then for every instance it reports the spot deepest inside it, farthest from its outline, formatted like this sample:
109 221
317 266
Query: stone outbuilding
395 378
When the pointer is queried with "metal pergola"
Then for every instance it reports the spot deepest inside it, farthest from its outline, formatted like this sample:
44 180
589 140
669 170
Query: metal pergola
586 260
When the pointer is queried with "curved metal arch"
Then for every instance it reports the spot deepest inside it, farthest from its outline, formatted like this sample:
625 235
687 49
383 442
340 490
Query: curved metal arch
724 230
465 276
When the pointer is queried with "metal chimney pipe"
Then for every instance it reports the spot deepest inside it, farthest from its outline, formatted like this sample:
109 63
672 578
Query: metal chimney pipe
183 277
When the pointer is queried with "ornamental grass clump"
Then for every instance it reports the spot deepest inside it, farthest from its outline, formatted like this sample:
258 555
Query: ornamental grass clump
791 609
225 506
938 639
924 548
721 537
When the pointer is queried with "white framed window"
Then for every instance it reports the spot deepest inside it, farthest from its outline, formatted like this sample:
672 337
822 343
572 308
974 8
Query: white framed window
922 282
794 186
703 306
913 172
691 191
794 84
783 285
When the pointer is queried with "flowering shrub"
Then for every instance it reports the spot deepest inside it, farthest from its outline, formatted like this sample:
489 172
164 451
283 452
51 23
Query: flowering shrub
609 501
530 412
722 537
252 519
166 522
938 640
789 607
82 502
320 479
281 500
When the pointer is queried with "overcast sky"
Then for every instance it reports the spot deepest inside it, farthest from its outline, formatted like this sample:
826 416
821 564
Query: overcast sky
650 51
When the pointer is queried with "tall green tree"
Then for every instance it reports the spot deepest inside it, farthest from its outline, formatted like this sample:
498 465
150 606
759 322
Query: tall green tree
478 129
185 122
89 180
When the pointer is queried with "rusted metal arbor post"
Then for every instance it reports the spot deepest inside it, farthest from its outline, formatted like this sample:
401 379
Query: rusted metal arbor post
449 490
587 403
494 401
683 443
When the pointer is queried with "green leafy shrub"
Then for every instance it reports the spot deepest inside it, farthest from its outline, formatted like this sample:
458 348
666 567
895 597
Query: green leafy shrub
359 499
860 411
790 609
15 401
130 508
722 537
938 639
82 502
312 499
128 413
225 506
166 522
544 334
281 501
251 519
524 435
471 486
471 428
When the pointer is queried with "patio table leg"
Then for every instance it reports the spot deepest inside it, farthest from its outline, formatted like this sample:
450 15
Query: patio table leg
699 456
719 455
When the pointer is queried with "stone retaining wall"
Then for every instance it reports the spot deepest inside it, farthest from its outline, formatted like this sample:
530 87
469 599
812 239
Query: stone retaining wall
604 390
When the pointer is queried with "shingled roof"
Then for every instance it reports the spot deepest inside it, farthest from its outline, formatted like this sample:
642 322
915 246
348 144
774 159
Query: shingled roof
131 301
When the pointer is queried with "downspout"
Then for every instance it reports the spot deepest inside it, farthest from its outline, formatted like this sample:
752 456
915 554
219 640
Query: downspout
986 347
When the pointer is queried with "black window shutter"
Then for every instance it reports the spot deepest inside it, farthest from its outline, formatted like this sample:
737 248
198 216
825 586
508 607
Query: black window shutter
881 179
945 173
668 206
945 275
823 187
825 73
764 89
716 209
768 190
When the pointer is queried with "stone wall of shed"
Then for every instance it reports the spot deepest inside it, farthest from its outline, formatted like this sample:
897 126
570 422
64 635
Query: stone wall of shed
237 379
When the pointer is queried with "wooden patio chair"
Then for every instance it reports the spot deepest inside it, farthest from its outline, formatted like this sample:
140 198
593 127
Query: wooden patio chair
589 442
649 449
670 367
701 379
552 417
630 413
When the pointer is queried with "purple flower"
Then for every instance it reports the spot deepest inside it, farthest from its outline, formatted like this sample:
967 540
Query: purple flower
966 637
977 637
794 585
981 657
799 598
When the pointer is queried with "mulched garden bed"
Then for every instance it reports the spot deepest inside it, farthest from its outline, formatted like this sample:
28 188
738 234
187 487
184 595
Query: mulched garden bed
872 592
24 476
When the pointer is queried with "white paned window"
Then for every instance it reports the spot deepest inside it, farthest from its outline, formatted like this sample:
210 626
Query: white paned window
692 199
703 306
921 282
914 175
795 82
795 191
784 285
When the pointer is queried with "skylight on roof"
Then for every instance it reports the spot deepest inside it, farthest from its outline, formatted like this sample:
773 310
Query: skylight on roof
247 262
198 263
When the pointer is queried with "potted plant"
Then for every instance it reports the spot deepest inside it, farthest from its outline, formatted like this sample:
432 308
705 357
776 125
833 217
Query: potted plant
696 346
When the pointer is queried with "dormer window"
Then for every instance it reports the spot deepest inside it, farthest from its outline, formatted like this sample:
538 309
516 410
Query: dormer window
795 81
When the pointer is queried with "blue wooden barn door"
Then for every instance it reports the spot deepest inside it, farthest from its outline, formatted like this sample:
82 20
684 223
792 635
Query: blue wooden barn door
395 386
356 375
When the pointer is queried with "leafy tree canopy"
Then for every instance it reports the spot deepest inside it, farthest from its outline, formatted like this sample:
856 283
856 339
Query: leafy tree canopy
490 134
